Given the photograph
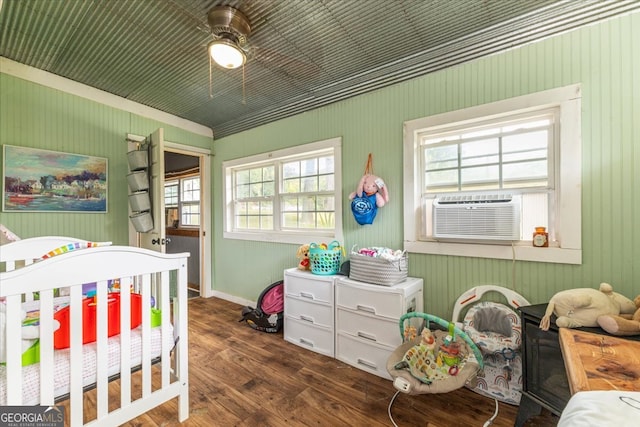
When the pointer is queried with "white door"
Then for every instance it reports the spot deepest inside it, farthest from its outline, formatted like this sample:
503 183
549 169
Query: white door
156 239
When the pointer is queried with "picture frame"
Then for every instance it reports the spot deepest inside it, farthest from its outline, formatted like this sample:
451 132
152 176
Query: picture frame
38 180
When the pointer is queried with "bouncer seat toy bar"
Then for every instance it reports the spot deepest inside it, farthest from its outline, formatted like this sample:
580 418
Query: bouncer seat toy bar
454 331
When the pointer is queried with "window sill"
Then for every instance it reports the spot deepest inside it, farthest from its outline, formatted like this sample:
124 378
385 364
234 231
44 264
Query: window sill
519 253
182 232
295 238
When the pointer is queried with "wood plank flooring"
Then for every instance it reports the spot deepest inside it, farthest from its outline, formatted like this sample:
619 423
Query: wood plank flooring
241 377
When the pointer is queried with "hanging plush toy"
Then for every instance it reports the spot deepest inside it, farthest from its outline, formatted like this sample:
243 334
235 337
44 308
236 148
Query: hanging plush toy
370 195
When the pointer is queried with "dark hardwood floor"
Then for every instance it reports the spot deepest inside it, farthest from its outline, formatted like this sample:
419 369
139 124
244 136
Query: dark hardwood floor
241 377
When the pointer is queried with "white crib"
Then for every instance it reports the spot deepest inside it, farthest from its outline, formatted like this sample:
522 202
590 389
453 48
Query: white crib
67 373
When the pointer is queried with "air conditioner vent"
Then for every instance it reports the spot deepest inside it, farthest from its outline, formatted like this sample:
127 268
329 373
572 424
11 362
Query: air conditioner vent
492 218
474 198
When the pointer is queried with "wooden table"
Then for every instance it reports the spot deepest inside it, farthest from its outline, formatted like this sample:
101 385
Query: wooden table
600 362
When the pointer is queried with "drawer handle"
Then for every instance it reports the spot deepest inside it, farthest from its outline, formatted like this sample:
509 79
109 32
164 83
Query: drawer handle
306 319
365 308
367 336
306 295
367 364
305 342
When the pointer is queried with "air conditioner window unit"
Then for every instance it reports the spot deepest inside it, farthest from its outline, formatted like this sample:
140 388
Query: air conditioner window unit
490 218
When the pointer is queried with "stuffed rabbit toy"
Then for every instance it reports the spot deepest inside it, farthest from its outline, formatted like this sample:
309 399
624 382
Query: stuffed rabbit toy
370 185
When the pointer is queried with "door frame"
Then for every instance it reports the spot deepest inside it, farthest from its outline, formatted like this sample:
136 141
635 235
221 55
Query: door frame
204 154
205 210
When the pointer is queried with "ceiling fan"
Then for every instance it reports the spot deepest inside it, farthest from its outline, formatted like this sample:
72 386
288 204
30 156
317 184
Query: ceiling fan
230 29
230 48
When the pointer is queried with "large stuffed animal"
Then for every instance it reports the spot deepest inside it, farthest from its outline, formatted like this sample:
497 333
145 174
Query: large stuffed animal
624 324
576 308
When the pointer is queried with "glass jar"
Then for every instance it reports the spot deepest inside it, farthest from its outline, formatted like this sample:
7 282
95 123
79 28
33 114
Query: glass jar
540 238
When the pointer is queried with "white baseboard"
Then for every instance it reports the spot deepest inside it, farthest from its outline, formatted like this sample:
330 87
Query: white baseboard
233 298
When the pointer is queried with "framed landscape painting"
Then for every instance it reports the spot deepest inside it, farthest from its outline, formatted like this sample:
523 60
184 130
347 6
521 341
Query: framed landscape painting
35 180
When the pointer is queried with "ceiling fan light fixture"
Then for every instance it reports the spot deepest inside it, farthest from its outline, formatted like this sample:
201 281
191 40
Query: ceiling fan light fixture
226 53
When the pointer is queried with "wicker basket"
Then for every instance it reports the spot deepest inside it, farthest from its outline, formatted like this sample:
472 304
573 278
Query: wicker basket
378 271
325 261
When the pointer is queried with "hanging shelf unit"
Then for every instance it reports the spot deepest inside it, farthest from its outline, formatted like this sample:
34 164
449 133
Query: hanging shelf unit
138 180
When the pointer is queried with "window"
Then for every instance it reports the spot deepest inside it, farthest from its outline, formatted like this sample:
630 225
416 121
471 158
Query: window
183 194
291 195
499 154
527 147
510 155
171 194
190 202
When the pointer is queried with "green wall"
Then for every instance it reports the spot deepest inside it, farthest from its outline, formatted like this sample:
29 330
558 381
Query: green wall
32 115
604 58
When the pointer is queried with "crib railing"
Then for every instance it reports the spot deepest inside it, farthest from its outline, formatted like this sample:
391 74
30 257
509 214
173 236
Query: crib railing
150 274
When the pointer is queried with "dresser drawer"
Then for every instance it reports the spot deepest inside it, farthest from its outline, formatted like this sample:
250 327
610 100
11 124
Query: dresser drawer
385 301
311 337
369 328
309 286
367 301
308 311
370 357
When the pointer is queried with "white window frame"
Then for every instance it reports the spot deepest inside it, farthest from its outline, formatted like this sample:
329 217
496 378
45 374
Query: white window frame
172 183
284 236
568 208
178 182
182 203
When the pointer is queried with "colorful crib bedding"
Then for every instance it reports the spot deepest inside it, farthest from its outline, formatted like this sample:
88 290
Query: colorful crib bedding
502 375
31 373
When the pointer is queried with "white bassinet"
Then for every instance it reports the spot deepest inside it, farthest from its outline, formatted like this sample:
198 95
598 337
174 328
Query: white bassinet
496 330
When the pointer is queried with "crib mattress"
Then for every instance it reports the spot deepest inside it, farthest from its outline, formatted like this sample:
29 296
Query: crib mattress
31 373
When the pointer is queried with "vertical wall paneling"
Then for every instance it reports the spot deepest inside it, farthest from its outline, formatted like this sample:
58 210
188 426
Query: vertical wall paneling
36 116
600 57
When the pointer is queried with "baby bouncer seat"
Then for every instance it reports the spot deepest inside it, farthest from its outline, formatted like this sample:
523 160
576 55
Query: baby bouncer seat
437 361
496 330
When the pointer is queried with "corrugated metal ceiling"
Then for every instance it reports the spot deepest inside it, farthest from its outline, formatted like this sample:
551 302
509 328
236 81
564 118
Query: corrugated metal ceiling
303 53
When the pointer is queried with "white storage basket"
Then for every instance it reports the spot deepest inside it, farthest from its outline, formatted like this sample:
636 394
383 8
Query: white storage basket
138 159
138 181
139 201
377 270
142 222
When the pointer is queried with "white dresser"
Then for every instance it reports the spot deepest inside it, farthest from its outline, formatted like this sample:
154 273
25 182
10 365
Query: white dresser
367 320
309 310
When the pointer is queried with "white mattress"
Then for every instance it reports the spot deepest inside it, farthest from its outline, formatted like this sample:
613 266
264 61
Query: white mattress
602 408
31 373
